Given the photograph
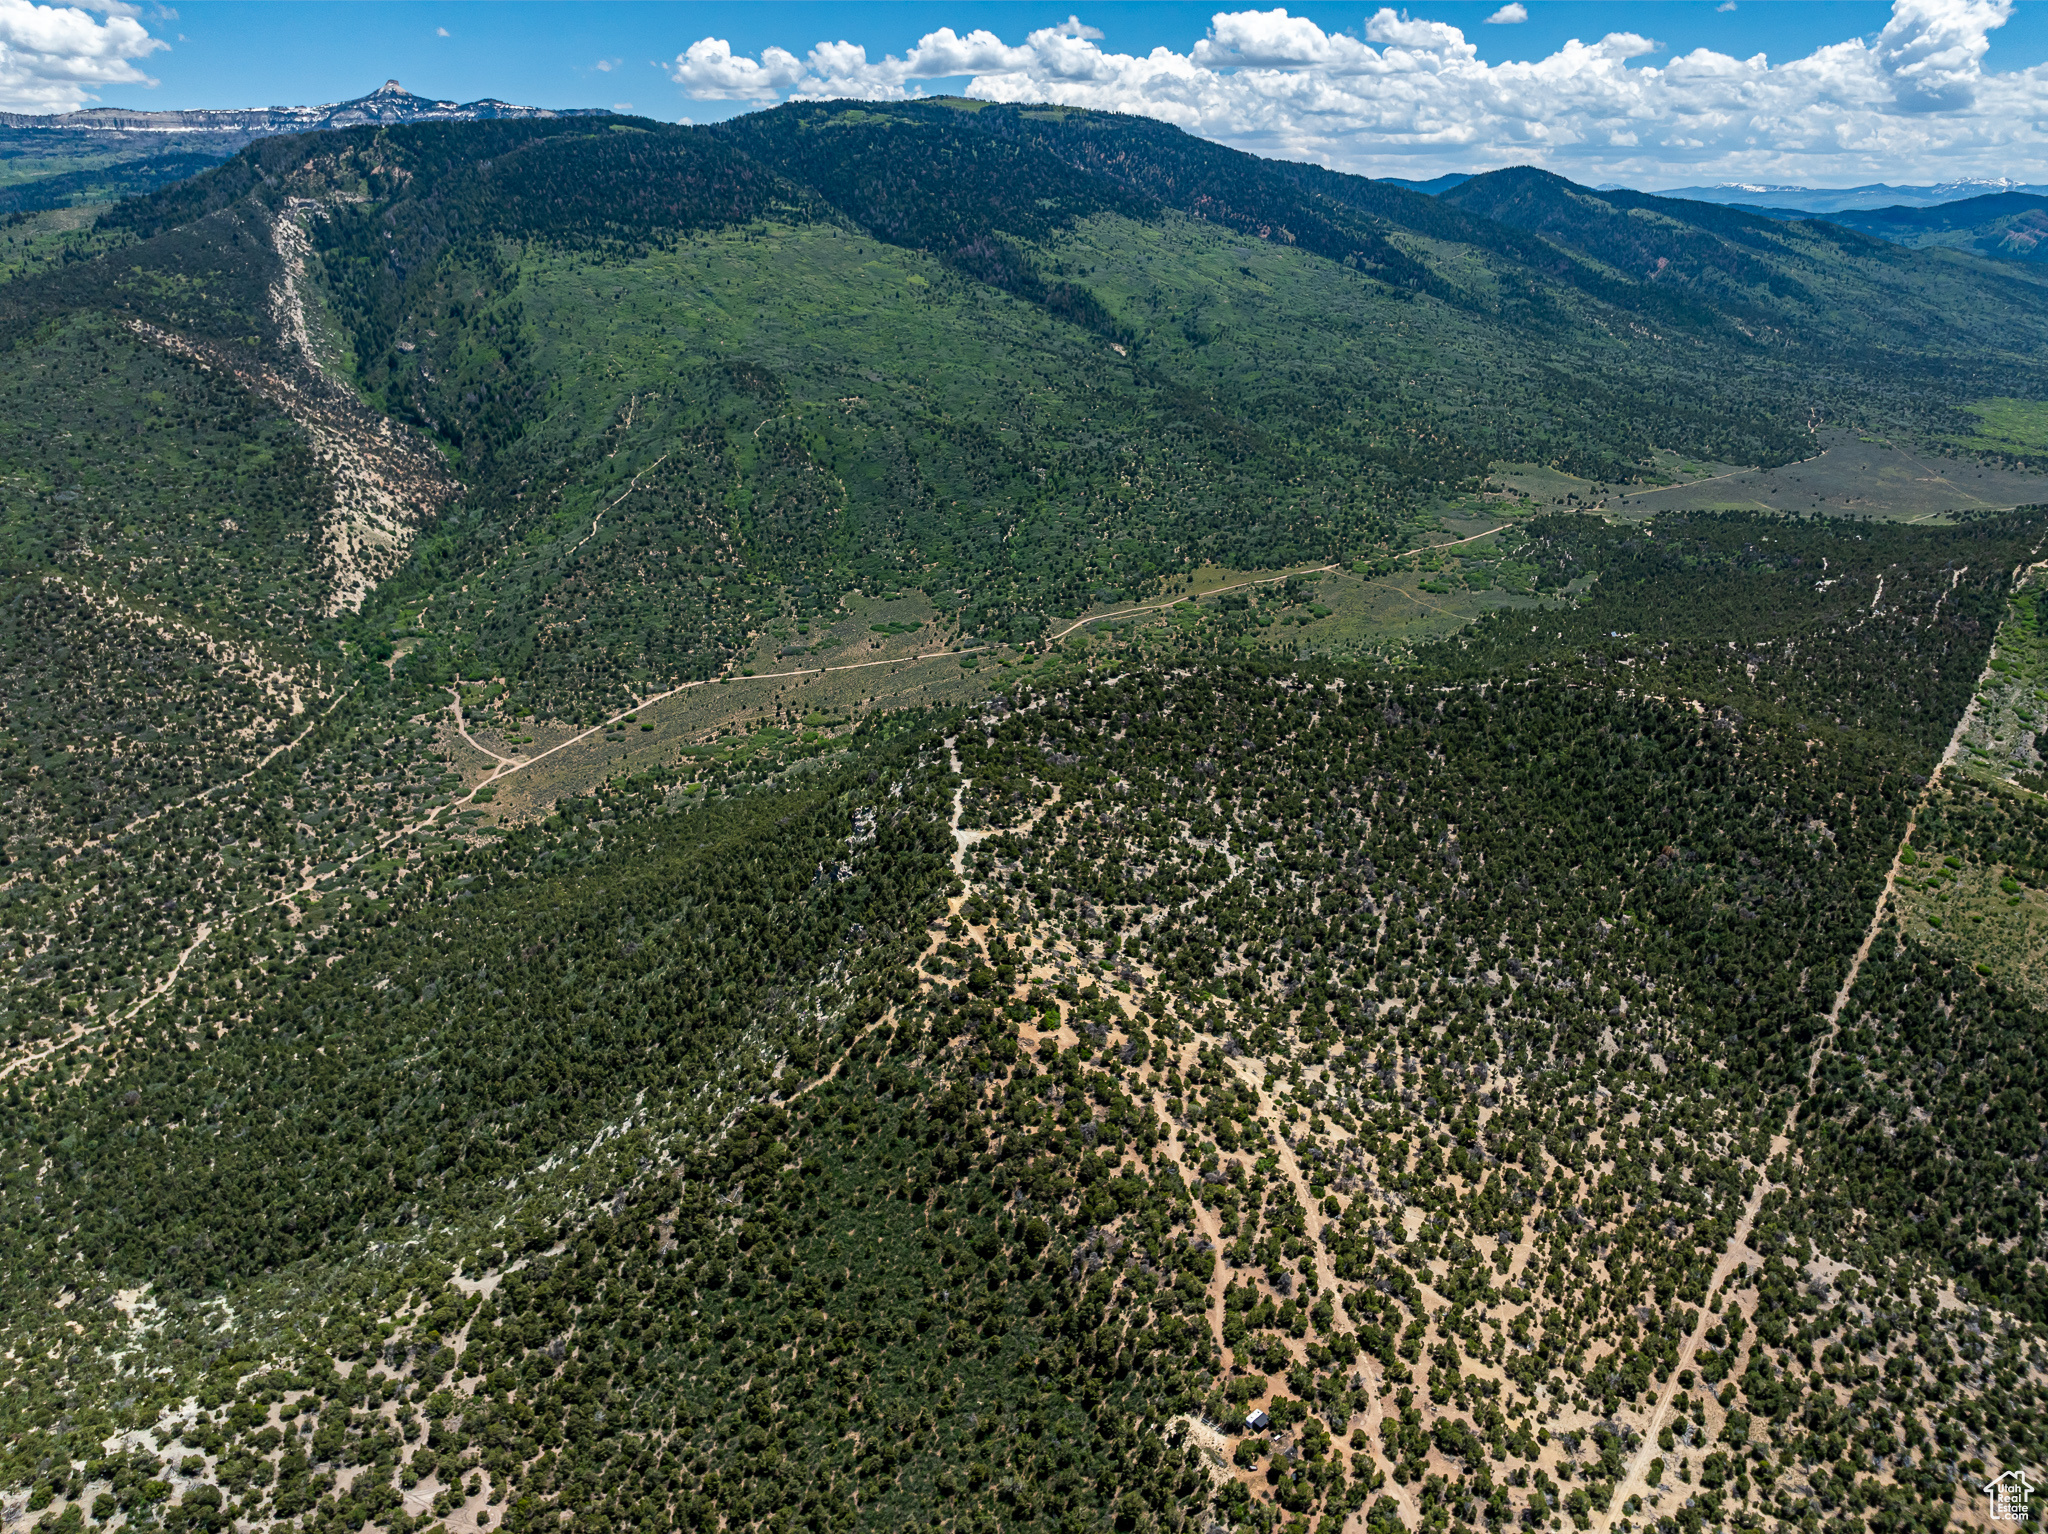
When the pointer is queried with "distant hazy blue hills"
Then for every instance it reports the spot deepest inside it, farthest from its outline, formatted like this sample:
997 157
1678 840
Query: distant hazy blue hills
2006 226
2003 226
1792 201
1831 200
2002 220
1431 187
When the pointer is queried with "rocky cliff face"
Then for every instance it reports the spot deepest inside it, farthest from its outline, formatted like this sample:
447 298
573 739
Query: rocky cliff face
389 103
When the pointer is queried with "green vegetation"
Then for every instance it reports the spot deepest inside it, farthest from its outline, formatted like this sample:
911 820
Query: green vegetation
33 243
1976 888
1970 888
1295 1041
44 168
921 817
2010 426
103 183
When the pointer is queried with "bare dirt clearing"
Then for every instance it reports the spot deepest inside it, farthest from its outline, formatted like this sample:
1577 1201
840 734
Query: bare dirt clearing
1853 475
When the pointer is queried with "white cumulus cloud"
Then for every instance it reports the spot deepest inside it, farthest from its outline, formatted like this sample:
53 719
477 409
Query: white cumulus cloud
1512 14
52 57
1414 94
709 70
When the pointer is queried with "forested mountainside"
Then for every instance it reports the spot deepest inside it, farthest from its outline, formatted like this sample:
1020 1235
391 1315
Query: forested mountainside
938 815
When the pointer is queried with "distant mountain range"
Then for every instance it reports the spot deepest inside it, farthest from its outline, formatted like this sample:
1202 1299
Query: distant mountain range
2005 226
1809 199
390 103
114 152
2003 220
118 152
1792 200
1435 186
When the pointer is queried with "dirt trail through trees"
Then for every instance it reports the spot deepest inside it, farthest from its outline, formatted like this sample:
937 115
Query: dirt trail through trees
1165 602
1781 1144
1326 1281
1951 752
524 763
462 729
962 840
208 792
597 520
1633 1484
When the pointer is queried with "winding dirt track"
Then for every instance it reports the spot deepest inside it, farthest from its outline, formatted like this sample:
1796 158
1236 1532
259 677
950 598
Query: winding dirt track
1263 580
631 485
649 701
462 729
521 764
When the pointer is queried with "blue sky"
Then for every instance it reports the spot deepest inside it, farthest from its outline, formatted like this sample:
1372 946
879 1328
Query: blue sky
231 53
1403 93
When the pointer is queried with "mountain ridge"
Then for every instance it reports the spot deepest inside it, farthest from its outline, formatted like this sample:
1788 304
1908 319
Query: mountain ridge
1872 196
390 103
